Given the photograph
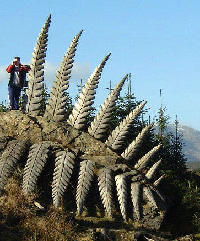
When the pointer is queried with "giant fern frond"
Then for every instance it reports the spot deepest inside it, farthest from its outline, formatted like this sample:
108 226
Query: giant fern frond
99 125
83 107
158 181
36 161
64 165
151 197
161 196
116 140
12 153
146 158
133 148
36 74
84 181
56 107
153 169
136 198
121 186
105 182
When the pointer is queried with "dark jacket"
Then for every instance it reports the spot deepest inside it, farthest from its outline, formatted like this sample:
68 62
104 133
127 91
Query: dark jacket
23 69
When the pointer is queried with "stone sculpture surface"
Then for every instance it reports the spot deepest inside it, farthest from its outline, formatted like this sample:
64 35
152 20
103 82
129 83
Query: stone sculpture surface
53 138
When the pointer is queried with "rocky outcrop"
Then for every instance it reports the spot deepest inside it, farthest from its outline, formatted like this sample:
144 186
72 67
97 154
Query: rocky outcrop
23 127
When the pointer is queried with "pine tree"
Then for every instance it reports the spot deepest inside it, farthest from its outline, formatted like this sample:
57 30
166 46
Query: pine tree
45 96
3 106
69 105
173 159
176 145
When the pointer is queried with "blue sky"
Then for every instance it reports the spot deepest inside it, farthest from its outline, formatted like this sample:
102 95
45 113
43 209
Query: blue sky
158 42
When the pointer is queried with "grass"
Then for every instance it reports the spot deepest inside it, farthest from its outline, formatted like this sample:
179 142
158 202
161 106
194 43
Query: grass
20 219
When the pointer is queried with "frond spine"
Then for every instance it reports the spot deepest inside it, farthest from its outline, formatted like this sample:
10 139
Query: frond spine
122 194
64 165
153 169
136 198
105 183
56 108
36 161
12 153
133 148
36 74
84 181
146 158
99 125
83 106
150 196
116 139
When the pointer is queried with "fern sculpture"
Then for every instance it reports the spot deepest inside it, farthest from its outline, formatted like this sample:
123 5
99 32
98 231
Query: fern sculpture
36 161
78 155
105 182
83 106
56 109
12 154
116 139
36 74
99 126
84 182
146 158
64 165
149 194
136 198
131 151
153 169
122 194
158 181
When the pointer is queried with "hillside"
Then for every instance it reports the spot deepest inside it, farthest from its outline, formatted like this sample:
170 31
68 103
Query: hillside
193 165
191 140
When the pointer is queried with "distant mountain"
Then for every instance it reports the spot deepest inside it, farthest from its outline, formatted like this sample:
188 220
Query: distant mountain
191 139
193 165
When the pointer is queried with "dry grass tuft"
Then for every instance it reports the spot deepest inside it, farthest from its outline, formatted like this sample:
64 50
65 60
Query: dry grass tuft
20 219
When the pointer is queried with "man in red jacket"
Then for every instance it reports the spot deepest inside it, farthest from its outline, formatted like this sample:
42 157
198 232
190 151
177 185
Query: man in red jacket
17 79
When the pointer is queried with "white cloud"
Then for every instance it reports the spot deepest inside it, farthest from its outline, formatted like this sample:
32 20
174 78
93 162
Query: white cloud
80 71
4 76
50 71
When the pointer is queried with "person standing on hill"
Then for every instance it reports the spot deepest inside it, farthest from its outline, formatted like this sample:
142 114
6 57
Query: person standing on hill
16 83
